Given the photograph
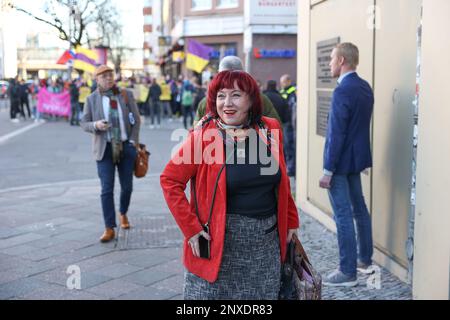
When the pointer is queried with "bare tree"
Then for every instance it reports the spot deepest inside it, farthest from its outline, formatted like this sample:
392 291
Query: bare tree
79 22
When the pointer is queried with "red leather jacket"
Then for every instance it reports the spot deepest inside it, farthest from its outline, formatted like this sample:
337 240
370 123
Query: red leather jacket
176 175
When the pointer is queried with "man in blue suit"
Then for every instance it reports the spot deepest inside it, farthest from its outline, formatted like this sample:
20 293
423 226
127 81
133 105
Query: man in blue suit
347 153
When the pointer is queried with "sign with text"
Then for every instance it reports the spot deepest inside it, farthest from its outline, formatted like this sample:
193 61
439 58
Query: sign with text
279 12
324 49
273 53
57 104
324 98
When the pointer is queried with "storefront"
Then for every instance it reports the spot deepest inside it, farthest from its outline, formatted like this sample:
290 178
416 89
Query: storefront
273 56
227 45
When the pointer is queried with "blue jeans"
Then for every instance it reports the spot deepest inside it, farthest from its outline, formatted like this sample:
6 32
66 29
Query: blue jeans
347 200
155 110
289 148
106 172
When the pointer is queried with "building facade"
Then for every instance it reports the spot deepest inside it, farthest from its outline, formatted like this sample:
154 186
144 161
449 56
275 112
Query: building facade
152 31
262 33
399 43
8 44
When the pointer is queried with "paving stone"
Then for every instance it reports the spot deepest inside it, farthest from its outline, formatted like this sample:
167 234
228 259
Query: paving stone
148 293
77 235
20 287
60 276
21 239
147 277
114 288
55 292
148 260
117 270
6 232
18 250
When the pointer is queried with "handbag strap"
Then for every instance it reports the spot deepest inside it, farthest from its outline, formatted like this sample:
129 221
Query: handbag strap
214 192
299 247
269 140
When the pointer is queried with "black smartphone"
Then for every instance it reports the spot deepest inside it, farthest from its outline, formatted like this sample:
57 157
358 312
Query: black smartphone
204 245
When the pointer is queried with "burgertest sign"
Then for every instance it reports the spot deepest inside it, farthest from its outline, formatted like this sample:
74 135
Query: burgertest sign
271 12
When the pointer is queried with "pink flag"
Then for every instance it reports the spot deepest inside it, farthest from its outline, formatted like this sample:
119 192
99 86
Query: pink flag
53 103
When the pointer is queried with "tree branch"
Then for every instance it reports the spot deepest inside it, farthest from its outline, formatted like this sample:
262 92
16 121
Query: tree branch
58 25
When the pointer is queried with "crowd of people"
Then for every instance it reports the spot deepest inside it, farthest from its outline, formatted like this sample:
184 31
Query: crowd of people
159 100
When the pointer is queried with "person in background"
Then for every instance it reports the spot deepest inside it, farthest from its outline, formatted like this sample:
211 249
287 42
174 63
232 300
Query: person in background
187 100
14 100
74 103
278 102
173 93
166 98
199 94
346 154
153 99
289 93
112 117
24 96
141 93
84 91
34 90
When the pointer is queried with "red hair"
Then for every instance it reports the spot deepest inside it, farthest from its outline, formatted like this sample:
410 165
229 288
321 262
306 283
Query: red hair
245 83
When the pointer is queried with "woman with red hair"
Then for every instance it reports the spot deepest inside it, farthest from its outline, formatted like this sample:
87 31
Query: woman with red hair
241 213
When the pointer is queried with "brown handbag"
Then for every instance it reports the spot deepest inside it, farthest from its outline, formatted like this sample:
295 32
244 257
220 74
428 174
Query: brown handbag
141 164
299 280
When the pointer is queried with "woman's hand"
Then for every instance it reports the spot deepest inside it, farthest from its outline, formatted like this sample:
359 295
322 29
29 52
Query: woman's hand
291 232
193 242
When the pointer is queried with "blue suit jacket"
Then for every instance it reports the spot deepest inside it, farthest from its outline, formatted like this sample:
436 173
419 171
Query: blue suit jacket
347 146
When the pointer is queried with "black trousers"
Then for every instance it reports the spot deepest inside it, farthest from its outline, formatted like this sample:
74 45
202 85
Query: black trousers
14 108
24 101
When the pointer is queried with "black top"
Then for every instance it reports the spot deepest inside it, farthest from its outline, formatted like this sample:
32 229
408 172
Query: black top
251 190
279 104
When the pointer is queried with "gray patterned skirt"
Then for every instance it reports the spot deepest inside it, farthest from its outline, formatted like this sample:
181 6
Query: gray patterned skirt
251 267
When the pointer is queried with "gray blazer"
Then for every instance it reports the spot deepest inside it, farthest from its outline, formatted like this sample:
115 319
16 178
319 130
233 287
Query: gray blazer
93 111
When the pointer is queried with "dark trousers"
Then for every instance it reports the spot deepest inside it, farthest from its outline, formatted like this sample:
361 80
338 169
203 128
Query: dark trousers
14 108
24 101
188 112
75 113
289 149
155 110
106 172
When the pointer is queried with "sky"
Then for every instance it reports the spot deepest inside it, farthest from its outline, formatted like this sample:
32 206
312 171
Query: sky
131 16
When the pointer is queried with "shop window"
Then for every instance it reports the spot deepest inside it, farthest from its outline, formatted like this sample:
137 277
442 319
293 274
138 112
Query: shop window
201 4
225 4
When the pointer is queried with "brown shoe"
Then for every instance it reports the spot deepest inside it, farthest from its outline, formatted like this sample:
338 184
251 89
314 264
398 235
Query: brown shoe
124 223
108 235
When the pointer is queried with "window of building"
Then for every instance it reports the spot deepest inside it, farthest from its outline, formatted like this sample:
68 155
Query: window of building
148 20
227 3
201 4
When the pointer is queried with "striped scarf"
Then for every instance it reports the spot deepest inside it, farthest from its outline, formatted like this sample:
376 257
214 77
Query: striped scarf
114 129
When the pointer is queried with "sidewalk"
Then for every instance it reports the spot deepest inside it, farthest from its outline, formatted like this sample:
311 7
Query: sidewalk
7 126
47 228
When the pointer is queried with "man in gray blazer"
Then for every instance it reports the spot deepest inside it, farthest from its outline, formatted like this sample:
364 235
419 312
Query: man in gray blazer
112 116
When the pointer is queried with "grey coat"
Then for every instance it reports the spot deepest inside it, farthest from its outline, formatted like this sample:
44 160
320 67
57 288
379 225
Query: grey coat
93 111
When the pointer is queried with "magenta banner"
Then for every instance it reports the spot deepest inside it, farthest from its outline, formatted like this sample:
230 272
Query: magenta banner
57 104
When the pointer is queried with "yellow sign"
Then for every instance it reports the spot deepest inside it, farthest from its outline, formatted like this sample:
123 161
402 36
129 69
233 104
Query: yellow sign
178 56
